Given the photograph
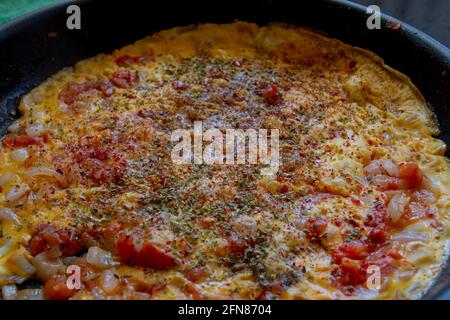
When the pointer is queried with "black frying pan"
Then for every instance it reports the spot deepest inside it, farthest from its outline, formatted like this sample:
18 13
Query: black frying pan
28 55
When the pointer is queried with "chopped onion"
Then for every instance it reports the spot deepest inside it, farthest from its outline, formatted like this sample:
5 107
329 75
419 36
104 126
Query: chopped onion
31 99
368 294
390 167
44 171
362 181
429 185
420 226
97 294
46 267
419 255
396 207
109 281
5 178
35 130
391 193
9 292
6 246
30 294
8 214
373 168
21 263
17 192
410 236
425 196
14 127
20 154
130 293
100 258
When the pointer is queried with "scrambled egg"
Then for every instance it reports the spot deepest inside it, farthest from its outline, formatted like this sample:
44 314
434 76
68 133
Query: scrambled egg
86 176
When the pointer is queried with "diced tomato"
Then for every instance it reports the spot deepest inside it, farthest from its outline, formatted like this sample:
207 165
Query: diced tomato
153 257
196 274
70 93
70 242
158 287
99 162
21 141
105 87
378 236
401 177
106 236
316 226
180 85
355 250
350 273
56 289
411 172
284 188
385 259
126 249
148 256
37 244
378 215
123 78
393 253
206 222
61 239
145 113
237 245
272 95
196 294
408 170
127 60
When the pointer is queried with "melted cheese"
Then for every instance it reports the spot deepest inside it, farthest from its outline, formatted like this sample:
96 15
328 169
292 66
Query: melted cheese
338 107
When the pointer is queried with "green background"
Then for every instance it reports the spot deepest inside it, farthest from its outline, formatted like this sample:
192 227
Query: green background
10 9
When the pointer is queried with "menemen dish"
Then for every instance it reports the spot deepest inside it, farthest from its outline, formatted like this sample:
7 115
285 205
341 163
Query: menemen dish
87 180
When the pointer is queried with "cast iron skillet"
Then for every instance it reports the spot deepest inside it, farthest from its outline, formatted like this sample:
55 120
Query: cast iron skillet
30 52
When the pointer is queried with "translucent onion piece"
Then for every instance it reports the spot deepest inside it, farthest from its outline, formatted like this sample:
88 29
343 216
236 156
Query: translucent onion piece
17 192
109 281
21 263
46 267
396 207
429 185
100 258
8 214
5 178
390 167
373 168
407 236
30 294
9 292
14 127
19 154
5 245
45 171
35 130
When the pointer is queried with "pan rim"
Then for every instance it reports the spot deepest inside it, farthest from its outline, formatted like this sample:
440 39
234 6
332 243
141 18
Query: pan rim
441 283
